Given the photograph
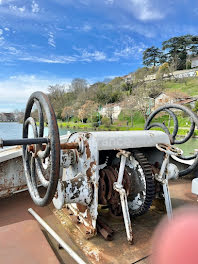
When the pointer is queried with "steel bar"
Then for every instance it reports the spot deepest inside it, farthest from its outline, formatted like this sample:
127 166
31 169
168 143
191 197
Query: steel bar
24 141
64 146
56 236
167 198
123 198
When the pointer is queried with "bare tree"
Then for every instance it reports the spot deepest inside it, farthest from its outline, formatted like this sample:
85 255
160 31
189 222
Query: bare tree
109 113
57 97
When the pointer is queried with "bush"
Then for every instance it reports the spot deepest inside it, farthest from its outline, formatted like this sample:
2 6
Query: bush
74 119
95 124
94 119
124 116
105 121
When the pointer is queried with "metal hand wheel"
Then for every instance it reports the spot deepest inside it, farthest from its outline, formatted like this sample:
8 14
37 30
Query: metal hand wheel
168 149
45 149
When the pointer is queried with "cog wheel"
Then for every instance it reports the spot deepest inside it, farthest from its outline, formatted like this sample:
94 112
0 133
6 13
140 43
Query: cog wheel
142 185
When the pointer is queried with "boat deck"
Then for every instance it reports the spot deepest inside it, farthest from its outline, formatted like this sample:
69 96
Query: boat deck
96 250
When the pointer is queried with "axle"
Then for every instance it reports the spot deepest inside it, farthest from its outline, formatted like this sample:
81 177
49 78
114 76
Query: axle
32 141
23 141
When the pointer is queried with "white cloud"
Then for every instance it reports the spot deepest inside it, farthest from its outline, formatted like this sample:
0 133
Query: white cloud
92 56
17 89
148 31
86 28
51 41
6 29
145 10
18 9
51 59
82 56
109 2
129 48
35 7
2 40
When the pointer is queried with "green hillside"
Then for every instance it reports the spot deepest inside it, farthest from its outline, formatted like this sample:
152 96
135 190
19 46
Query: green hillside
188 86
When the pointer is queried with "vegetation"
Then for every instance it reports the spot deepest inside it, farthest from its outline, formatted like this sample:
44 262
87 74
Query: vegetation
188 86
176 51
78 106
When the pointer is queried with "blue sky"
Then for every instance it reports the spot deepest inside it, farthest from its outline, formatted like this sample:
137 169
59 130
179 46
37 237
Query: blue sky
54 41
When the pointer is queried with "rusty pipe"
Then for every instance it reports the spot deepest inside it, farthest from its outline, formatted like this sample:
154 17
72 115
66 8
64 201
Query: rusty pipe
72 145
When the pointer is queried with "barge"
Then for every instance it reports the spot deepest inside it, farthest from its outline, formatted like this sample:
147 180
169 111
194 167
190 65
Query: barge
98 196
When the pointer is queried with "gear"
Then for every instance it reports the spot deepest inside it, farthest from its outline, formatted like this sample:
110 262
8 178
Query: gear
142 185
138 182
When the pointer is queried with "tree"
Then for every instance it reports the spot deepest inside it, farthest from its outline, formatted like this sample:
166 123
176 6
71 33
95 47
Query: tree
87 110
57 97
140 74
196 107
163 70
67 113
179 49
109 93
144 96
151 56
109 113
78 85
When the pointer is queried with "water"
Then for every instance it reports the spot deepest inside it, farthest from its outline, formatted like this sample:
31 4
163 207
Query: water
13 130
188 147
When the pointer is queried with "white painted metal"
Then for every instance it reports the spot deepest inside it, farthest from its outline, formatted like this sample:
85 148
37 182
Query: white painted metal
172 171
195 186
163 179
87 165
56 236
123 198
59 199
167 198
141 196
10 153
108 140
187 162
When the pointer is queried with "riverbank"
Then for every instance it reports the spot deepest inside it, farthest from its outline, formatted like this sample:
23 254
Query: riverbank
91 127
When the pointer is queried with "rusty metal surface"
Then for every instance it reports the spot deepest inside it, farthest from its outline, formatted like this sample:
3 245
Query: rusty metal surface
11 177
72 145
118 250
85 204
107 195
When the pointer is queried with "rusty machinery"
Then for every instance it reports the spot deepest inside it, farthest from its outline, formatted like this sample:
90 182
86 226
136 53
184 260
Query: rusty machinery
120 170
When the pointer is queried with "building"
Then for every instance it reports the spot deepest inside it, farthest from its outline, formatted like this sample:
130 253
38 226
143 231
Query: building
129 77
164 98
194 62
7 117
111 110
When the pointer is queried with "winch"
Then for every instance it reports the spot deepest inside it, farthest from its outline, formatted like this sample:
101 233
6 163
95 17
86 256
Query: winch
122 171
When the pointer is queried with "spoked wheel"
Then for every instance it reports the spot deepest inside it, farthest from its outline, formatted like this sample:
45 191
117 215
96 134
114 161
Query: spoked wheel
41 161
142 186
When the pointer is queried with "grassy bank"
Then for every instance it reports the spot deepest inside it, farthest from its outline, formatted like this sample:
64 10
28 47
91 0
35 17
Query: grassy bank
89 127
188 86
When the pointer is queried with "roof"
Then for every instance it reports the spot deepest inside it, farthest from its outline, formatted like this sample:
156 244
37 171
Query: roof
194 58
186 101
